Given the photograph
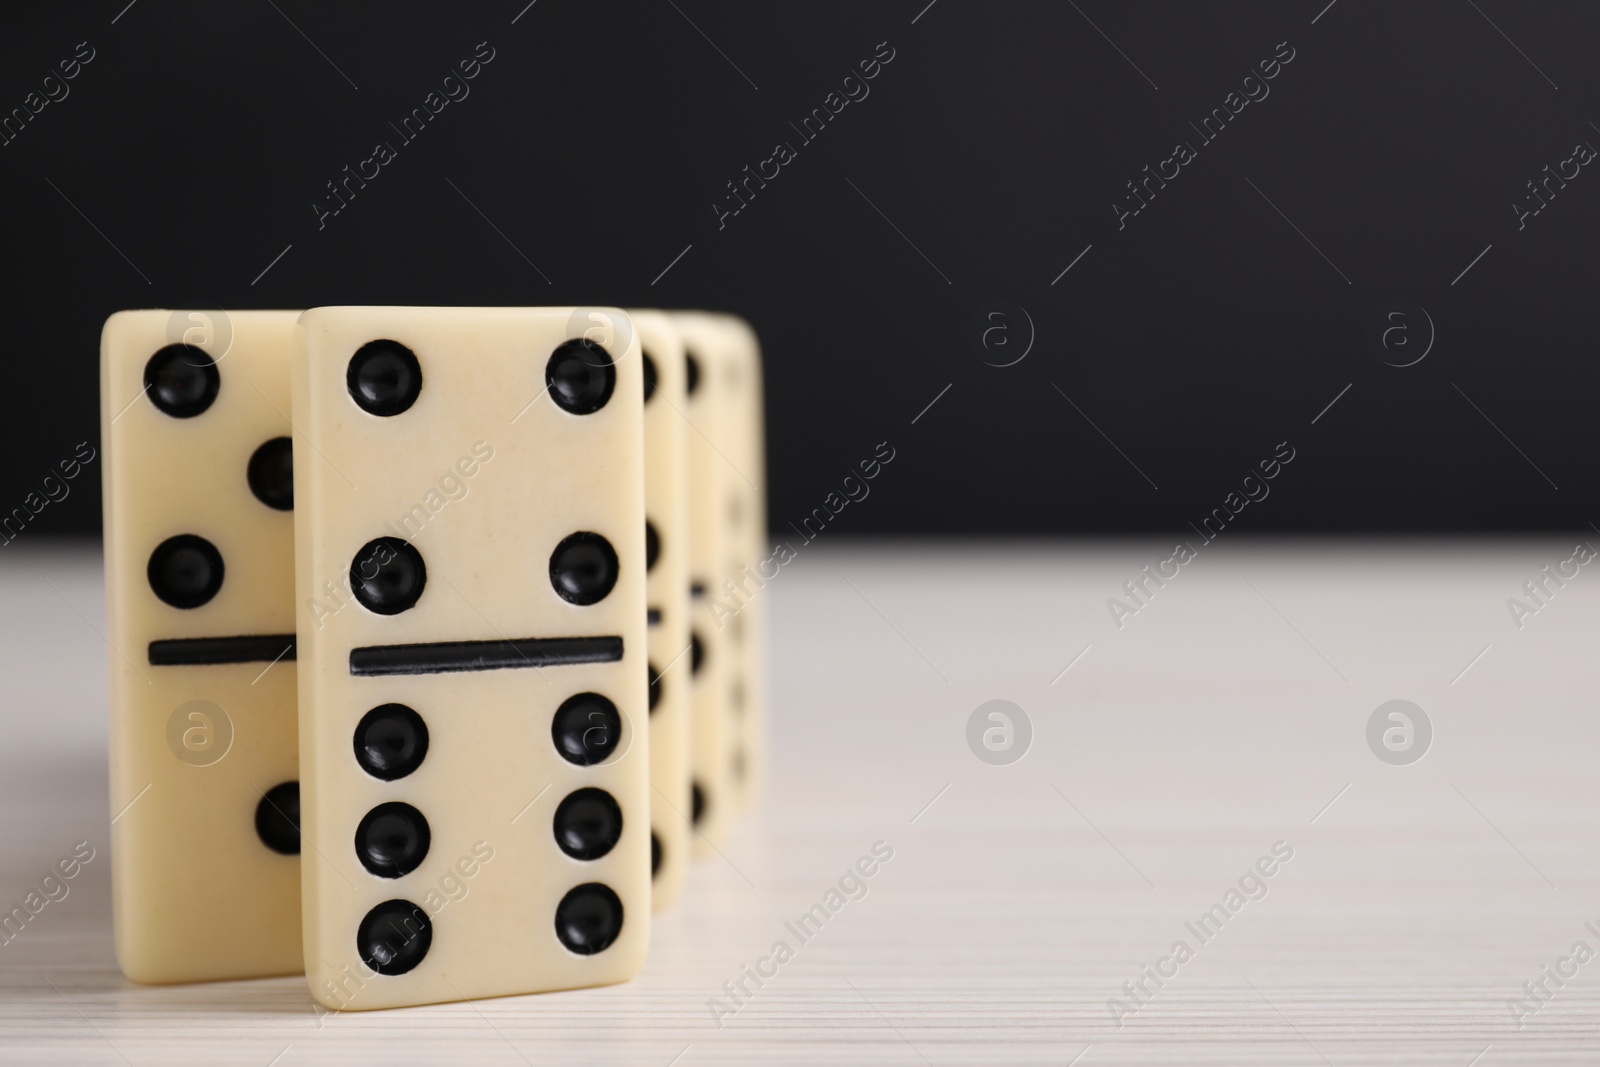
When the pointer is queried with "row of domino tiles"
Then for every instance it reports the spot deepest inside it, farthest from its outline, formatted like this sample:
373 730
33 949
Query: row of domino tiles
415 686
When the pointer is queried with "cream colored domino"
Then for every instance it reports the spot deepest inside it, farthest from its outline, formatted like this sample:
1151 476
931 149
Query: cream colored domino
739 385
666 505
708 730
502 457
200 619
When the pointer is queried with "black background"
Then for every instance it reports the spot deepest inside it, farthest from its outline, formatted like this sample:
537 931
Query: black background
1196 338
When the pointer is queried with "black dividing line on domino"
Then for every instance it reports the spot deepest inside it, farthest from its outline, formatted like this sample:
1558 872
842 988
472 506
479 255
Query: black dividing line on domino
444 657
203 651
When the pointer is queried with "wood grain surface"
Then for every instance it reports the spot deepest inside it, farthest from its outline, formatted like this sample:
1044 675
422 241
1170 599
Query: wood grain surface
1168 756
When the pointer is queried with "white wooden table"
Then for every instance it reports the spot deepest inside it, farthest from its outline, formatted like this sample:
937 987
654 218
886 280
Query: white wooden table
1227 715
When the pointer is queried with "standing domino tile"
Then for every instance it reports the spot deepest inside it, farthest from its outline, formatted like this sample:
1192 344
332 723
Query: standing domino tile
739 384
470 565
200 615
711 807
666 490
